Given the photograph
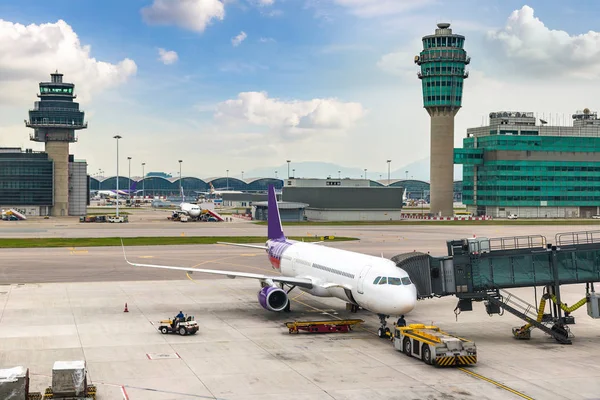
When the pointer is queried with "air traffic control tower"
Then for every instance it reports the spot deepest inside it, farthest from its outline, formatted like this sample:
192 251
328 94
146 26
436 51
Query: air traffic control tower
54 120
442 73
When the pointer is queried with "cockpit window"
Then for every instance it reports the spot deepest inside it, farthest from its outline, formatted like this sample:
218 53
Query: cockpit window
383 281
406 280
376 280
394 281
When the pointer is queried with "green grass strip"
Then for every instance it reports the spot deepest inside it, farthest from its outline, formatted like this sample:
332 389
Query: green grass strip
146 241
444 223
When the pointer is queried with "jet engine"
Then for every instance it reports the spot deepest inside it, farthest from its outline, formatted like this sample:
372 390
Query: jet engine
272 298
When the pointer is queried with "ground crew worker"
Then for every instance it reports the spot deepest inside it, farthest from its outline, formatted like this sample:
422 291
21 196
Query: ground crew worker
401 321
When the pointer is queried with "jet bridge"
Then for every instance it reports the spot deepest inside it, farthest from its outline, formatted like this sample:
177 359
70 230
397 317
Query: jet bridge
481 269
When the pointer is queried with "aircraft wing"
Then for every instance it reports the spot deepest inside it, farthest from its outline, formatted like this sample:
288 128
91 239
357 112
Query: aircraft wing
253 246
302 282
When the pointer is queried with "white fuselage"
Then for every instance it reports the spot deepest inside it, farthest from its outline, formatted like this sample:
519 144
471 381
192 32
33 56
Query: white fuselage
350 276
193 210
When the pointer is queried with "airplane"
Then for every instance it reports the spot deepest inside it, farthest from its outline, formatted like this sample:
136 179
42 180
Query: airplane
217 192
193 210
113 193
372 283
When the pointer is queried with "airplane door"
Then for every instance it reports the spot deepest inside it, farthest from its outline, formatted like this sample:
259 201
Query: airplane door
361 278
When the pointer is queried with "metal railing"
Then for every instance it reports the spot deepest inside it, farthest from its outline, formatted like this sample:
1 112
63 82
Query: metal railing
427 74
509 243
73 124
583 237
53 138
55 109
439 58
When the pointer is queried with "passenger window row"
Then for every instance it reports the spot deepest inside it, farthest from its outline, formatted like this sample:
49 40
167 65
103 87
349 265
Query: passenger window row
383 280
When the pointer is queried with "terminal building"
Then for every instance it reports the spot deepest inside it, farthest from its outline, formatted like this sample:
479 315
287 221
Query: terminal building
515 166
344 199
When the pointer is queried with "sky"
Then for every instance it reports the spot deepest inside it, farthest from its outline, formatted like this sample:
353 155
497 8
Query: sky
247 84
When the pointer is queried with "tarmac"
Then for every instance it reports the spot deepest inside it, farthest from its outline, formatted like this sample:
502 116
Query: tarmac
67 304
244 352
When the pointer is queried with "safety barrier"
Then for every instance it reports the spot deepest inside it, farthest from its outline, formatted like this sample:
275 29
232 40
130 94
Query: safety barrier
427 217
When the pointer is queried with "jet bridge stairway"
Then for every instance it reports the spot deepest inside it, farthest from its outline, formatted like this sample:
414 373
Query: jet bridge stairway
527 312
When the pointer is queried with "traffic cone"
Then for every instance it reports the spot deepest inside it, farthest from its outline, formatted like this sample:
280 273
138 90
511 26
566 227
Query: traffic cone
125 310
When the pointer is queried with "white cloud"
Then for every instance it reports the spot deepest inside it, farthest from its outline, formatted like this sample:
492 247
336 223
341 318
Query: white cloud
256 108
167 56
532 47
30 53
377 8
236 41
194 15
266 40
401 63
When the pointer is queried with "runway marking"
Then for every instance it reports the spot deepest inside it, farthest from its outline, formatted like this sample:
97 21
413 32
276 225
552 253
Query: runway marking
124 392
146 256
74 251
493 382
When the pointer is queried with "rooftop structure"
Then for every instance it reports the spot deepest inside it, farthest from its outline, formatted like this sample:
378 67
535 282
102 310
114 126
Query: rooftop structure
442 73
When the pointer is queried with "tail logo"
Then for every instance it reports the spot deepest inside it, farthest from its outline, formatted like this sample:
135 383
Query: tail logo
275 252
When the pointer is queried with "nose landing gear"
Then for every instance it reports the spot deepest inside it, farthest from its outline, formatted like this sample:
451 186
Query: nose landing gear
383 332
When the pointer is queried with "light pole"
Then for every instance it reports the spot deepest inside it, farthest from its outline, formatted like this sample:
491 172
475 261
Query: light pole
129 179
294 173
242 175
227 188
180 161
117 137
288 162
339 174
275 174
406 175
365 173
143 181
389 163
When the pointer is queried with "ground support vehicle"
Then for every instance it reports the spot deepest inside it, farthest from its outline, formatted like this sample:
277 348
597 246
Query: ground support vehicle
434 346
187 326
322 326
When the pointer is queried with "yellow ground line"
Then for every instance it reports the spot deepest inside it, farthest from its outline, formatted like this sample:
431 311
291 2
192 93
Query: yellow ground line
493 382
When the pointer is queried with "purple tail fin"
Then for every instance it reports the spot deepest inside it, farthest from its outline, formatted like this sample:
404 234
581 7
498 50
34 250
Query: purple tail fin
274 229
133 186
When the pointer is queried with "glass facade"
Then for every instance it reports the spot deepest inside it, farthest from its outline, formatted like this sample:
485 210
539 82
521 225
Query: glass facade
442 73
159 186
25 179
530 170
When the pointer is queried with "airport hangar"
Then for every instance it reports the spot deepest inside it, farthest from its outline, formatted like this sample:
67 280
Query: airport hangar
513 166
344 199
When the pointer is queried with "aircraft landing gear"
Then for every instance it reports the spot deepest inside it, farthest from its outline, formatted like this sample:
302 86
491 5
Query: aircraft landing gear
383 332
287 307
353 308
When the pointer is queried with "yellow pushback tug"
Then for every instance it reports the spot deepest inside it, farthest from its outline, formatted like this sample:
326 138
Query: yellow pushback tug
434 346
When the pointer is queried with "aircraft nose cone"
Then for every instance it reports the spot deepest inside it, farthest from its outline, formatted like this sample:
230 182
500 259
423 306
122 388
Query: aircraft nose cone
408 300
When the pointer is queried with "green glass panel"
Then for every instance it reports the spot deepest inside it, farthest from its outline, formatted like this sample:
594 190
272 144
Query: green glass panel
542 269
523 270
567 269
588 265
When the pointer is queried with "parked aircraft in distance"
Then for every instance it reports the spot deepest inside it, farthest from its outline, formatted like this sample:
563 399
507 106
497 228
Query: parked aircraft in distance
373 283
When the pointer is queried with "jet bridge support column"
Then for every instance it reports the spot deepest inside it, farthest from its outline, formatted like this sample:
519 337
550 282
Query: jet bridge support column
555 290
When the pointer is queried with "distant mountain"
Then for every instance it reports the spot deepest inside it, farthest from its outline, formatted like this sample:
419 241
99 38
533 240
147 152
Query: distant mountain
312 169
